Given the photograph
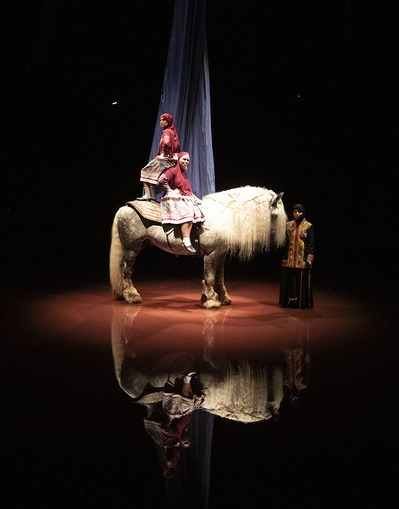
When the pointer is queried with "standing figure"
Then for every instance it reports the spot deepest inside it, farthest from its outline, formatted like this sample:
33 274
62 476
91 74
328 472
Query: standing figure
179 205
169 146
296 282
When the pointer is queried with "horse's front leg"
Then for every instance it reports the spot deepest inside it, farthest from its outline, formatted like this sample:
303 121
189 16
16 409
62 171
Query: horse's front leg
130 294
210 298
219 282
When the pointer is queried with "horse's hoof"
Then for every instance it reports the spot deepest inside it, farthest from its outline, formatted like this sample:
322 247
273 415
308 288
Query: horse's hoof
226 302
133 299
211 304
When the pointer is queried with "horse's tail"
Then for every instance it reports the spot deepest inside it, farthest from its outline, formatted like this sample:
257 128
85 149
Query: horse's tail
115 259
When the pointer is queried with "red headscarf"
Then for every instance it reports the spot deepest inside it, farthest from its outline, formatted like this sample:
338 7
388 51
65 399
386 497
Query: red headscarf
176 177
181 154
175 144
169 120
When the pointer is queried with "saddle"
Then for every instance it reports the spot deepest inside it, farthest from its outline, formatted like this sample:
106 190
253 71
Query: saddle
149 209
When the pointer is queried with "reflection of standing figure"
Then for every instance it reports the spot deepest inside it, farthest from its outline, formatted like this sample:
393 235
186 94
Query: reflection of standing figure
296 282
169 146
297 374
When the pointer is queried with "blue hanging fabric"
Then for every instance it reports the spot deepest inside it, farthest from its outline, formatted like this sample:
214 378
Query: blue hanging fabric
186 93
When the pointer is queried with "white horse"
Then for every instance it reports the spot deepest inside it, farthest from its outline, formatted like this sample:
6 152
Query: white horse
241 221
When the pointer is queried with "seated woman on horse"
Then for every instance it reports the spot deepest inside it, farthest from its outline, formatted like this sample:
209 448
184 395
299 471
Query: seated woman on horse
179 205
166 158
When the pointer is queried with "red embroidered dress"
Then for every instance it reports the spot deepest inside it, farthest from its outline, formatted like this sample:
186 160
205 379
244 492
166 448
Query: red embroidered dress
183 207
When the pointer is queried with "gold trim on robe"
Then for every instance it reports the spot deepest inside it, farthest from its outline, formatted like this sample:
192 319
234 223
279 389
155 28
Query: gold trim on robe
296 248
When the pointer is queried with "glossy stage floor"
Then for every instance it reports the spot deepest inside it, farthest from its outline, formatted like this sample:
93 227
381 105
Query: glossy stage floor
74 362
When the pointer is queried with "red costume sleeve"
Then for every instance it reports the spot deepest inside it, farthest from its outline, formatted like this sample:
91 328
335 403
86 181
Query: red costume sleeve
167 176
168 145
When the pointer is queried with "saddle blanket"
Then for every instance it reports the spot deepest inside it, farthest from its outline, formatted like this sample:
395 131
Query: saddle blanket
149 209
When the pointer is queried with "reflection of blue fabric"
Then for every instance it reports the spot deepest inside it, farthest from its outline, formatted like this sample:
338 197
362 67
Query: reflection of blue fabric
189 487
186 93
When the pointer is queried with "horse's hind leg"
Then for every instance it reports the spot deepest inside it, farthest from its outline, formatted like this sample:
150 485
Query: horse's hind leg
130 294
219 281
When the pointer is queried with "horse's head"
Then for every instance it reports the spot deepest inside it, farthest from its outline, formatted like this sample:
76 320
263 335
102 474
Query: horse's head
278 219
274 202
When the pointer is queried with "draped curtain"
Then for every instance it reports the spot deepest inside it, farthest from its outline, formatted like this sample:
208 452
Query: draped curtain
186 93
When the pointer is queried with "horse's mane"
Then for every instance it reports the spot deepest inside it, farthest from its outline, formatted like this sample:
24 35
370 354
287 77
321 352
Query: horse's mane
242 217
242 394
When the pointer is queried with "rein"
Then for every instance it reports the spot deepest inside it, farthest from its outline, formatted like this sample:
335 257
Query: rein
167 238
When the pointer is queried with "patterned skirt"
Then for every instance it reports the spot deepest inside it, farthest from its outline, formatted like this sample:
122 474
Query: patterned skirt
154 169
178 209
177 405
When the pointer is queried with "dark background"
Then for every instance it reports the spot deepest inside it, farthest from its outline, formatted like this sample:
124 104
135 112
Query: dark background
301 97
302 102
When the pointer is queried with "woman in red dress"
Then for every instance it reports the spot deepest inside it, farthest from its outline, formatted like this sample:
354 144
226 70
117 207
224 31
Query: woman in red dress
166 157
179 205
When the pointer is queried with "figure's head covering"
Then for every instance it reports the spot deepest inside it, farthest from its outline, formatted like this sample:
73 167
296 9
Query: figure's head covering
299 207
169 120
180 155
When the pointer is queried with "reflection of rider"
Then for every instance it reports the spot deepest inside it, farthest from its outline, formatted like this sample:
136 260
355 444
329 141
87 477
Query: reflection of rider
166 158
167 422
179 205
169 436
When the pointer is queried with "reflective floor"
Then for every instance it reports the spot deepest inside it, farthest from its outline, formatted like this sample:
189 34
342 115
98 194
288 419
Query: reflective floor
299 407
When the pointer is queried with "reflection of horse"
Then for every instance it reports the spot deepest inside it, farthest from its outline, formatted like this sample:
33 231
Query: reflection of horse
239 390
241 221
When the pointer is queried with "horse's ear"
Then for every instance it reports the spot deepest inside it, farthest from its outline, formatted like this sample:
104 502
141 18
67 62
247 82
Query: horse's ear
273 203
